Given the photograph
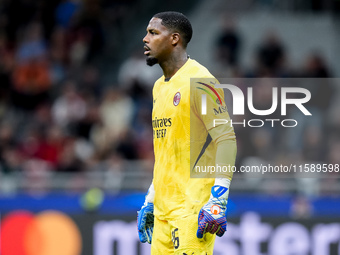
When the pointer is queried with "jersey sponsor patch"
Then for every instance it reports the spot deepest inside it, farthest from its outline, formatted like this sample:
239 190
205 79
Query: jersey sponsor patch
177 98
160 126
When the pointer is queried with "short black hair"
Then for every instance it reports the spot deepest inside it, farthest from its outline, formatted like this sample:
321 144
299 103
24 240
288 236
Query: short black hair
177 22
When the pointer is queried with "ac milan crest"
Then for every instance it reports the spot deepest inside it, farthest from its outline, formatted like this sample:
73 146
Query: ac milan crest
177 98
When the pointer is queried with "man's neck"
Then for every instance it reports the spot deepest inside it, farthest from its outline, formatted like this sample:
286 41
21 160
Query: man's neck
173 64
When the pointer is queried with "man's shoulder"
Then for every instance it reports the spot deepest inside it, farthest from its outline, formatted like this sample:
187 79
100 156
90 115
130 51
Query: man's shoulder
197 70
200 74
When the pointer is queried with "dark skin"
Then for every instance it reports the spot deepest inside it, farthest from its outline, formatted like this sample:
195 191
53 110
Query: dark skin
166 46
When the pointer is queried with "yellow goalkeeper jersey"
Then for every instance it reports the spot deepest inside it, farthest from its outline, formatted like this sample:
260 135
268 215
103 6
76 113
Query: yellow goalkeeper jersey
177 194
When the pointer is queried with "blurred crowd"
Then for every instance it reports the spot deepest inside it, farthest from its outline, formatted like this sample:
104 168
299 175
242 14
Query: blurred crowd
316 138
56 113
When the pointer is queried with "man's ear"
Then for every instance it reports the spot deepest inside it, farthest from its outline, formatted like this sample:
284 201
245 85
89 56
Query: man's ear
175 39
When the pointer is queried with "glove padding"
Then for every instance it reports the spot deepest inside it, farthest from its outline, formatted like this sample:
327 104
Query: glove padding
145 220
212 217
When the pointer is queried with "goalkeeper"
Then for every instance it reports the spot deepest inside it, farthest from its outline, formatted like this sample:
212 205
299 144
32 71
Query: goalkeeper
182 215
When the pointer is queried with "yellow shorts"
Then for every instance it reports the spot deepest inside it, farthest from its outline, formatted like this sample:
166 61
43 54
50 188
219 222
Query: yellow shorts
178 237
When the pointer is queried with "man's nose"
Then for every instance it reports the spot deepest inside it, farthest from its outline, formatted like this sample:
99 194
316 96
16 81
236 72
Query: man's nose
145 39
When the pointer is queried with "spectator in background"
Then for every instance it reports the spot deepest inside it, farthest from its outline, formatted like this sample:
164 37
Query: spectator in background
135 77
30 143
51 145
143 133
79 48
31 81
8 152
115 111
31 78
83 127
10 160
315 66
228 44
300 139
58 54
6 66
90 81
33 45
270 56
69 107
68 160
126 145
88 30
42 116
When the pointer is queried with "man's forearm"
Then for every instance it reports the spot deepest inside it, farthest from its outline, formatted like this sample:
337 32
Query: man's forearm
226 156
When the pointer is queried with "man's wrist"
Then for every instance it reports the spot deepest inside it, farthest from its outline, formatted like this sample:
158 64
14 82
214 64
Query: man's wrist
150 196
225 182
220 190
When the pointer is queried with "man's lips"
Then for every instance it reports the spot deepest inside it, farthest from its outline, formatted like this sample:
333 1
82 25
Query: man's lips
146 50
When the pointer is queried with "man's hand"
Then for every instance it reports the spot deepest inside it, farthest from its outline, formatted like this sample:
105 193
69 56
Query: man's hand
212 217
145 221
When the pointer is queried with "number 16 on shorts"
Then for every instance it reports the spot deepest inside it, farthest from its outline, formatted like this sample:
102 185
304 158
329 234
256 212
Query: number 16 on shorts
175 238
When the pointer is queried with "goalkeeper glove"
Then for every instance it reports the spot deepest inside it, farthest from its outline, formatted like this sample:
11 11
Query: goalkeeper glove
212 217
145 218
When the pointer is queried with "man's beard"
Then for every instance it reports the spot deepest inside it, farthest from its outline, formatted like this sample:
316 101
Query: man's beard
150 61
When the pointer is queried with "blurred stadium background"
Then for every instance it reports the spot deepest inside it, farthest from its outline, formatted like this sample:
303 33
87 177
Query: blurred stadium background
75 123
